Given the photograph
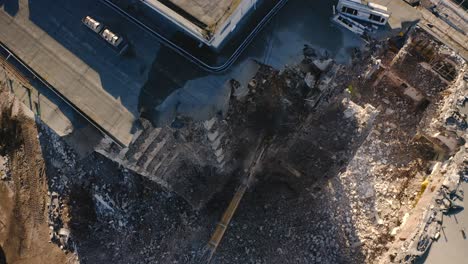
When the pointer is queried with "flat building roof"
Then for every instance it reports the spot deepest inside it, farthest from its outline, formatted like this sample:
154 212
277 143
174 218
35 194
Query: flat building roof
208 12
207 20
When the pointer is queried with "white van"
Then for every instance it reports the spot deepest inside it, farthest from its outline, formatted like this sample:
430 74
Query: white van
93 24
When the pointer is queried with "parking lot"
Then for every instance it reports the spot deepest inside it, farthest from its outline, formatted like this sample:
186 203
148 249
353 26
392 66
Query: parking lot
50 37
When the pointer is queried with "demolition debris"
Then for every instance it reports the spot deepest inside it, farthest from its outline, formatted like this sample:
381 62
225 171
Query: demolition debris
358 164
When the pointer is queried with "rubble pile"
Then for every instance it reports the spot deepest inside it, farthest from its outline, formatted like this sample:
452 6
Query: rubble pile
288 210
96 202
361 161
4 170
23 190
380 192
58 221
447 200
190 158
424 55
450 139
346 158
197 159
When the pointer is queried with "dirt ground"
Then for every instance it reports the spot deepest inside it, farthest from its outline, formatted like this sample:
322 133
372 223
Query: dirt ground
24 232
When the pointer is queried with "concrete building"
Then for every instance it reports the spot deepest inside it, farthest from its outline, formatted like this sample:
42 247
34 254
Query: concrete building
211 22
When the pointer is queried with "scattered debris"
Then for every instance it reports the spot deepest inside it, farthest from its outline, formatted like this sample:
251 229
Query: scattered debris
4 168
360 164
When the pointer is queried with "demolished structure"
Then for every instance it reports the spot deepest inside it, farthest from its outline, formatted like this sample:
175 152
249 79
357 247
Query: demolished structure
327 163
366 151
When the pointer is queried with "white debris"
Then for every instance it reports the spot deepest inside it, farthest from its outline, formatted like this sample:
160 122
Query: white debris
213 136
389 111
215 145
450 142
219 152
323 65
64 232
101 200
208 124
310 80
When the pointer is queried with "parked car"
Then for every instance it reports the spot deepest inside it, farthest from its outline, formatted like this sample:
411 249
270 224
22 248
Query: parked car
93 24
117 42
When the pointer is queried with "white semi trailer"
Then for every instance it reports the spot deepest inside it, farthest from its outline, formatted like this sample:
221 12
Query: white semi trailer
365 11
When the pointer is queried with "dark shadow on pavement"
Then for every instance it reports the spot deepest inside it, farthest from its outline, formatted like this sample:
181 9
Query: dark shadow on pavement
163 80
2 256
121 76
422 259
454 212
10 6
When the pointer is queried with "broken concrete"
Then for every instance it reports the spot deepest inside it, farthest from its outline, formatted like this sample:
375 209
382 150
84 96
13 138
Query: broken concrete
354 155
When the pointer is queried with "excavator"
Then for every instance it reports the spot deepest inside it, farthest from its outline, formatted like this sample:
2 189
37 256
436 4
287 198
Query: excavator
209 250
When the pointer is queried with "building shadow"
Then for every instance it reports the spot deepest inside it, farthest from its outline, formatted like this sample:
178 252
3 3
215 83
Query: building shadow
10 6
148 72
2 256
164 80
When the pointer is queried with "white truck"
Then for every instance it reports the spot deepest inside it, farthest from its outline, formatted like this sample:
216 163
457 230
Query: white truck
365 11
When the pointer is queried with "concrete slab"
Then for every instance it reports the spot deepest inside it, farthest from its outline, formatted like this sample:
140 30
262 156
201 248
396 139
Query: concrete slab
50 38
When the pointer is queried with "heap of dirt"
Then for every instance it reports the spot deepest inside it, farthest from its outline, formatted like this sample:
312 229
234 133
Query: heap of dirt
118 216
24 231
